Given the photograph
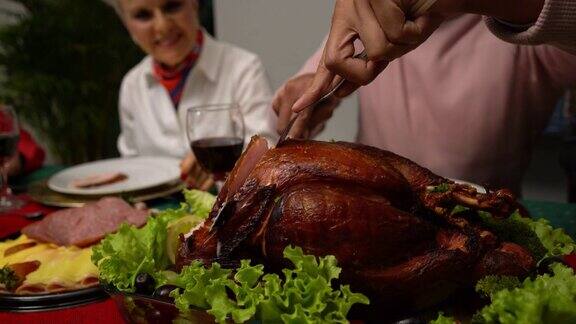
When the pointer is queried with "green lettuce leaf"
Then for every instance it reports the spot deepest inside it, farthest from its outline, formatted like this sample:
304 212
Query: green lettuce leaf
441 319
555 240
537 235
120 257
515 229
199 202
545 299
303 294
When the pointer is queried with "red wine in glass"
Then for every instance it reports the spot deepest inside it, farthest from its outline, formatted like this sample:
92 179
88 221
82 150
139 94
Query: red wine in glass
216 136
9 135
218 154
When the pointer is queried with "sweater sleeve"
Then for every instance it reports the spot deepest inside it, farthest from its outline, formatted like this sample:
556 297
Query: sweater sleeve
556 26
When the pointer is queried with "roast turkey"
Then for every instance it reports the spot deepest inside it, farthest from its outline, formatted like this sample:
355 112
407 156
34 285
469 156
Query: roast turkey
390 222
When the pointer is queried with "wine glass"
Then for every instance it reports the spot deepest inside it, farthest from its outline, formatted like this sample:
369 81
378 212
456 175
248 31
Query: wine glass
9 135
216 136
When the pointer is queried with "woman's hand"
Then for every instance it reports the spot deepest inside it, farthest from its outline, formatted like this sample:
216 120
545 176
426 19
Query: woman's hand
194 175
311 121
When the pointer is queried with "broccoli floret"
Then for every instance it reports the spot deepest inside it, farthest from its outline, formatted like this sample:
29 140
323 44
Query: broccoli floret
9 278
513 229
490 285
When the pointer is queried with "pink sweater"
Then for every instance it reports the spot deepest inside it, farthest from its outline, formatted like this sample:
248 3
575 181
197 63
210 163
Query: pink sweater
556 25
466 104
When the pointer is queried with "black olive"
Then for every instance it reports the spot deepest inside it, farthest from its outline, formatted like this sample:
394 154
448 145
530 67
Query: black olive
144 283
163 292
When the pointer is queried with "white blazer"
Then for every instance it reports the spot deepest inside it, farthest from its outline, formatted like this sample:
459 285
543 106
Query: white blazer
150 124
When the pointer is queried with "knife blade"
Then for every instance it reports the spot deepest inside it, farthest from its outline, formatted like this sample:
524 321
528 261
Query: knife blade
286 131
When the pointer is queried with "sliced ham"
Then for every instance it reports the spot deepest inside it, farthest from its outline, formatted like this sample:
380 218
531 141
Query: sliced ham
18 248
85 225
98 180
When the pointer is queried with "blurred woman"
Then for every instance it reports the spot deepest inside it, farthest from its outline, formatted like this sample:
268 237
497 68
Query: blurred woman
184 67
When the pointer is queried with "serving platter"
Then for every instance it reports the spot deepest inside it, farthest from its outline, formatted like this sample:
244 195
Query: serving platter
136 308
52 301
142 172
42 293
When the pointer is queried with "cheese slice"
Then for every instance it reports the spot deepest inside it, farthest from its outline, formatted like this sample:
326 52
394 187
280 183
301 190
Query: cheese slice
61 267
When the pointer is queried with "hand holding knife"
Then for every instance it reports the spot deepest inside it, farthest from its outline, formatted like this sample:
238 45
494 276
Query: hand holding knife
286 131
353 24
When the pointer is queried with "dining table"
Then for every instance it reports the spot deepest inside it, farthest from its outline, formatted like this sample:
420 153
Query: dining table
101 311
561 215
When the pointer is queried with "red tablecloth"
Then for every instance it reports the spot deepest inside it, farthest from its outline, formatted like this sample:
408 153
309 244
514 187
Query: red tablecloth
99 312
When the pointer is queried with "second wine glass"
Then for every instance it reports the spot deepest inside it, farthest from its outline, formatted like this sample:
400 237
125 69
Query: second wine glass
216 136
9 135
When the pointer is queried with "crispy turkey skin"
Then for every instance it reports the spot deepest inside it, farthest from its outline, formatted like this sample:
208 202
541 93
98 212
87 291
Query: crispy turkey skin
388 221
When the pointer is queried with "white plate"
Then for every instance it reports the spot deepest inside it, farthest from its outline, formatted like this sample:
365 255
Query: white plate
478 188
143 172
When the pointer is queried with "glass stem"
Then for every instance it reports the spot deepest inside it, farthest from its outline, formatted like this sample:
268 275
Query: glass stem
219 176
4 190
219 179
